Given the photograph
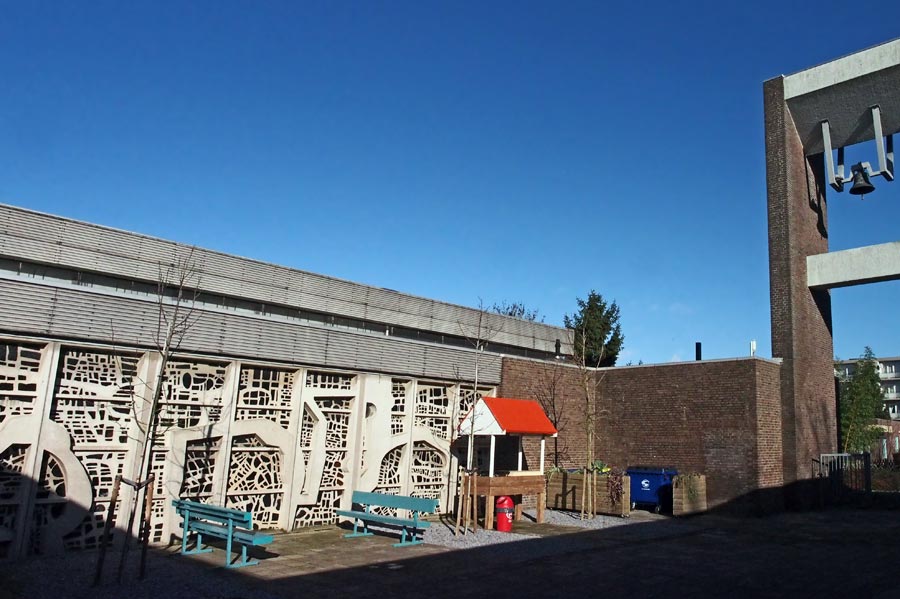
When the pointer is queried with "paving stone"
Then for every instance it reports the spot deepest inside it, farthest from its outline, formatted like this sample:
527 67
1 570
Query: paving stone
840 553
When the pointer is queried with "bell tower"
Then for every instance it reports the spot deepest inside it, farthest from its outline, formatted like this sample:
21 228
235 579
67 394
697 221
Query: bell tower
809 117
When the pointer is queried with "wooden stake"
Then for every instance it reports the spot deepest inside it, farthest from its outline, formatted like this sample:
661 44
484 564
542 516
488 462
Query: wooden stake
138 487
462 501
467 503
148 512
460 481
584 494
474 502
126 545
107 528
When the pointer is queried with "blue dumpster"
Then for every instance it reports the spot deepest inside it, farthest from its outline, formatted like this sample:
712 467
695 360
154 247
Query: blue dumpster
651 486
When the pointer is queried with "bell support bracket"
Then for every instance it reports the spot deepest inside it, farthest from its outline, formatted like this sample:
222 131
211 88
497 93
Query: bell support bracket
884 148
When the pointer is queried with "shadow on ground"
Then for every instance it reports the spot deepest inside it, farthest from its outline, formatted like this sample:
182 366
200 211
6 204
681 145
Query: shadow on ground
834 553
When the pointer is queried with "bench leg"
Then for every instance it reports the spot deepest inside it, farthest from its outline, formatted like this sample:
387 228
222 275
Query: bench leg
244 561
364 533
198 548
413 540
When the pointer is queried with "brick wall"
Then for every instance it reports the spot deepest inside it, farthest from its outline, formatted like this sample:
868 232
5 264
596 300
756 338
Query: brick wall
801 318
721 418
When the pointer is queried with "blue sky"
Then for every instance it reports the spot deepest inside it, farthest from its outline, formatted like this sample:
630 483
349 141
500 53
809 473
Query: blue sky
518 151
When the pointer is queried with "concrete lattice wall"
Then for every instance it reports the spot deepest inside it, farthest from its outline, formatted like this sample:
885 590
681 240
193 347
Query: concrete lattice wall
287 443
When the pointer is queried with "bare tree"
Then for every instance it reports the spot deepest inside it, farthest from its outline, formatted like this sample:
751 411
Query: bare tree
517 310
548 389
177 292
479 334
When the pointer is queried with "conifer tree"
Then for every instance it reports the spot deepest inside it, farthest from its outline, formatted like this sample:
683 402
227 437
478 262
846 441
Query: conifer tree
598 323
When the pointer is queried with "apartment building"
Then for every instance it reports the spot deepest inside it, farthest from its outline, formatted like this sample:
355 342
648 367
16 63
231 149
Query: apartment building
889 372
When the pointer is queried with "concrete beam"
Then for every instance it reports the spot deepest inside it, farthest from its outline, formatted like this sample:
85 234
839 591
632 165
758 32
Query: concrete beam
870 264
841 70
842 92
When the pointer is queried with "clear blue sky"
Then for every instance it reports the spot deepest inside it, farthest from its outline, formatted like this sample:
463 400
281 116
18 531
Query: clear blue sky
504 151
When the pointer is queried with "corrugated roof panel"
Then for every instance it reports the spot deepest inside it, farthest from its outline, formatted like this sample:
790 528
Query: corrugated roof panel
347 308
24 310
102 318
38 251
313 302
83 245
342 290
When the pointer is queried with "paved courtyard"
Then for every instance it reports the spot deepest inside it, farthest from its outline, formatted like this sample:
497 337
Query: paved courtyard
836 553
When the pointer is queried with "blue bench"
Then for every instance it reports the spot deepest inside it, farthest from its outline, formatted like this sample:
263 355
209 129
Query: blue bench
410 526
224 523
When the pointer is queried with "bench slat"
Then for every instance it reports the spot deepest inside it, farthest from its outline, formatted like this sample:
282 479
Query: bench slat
370 517
403 502
212 512
246 537
410 526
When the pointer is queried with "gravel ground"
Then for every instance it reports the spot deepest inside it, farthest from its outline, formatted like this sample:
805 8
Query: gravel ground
442 533
561 518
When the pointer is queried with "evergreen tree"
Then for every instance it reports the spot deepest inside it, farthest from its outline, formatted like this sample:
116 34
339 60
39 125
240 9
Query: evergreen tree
861 401
598 322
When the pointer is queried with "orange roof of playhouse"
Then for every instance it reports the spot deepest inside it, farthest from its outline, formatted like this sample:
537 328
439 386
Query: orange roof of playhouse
520 416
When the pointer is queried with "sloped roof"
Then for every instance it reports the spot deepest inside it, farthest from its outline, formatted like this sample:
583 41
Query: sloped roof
505 416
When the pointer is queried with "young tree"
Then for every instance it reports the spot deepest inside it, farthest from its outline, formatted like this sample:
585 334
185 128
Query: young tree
548 389
517 310
597 334
478 333
177 292
590 379
861 401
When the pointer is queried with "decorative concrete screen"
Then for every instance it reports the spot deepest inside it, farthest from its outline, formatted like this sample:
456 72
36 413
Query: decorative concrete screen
288 443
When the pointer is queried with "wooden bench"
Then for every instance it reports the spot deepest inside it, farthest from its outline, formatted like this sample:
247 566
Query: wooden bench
410 526
224 523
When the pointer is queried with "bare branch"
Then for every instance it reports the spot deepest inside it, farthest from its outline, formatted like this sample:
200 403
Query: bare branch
548 390
177 293
478 338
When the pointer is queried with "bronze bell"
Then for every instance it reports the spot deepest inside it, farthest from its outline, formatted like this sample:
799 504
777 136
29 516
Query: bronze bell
861 184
